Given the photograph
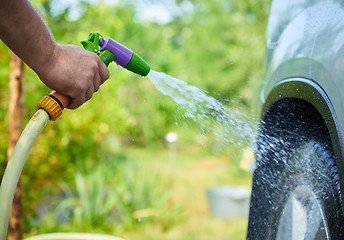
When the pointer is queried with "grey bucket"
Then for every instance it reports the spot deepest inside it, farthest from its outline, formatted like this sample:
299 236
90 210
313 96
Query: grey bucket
229 201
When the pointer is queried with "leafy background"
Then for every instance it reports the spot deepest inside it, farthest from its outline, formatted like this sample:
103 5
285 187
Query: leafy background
98 166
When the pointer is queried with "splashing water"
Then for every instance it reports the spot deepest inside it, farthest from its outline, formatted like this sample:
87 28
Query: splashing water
228 125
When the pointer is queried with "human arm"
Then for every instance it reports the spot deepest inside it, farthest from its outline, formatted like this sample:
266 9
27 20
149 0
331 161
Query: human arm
68 69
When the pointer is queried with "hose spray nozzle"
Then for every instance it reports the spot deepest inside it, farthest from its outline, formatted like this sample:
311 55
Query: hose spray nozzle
111 51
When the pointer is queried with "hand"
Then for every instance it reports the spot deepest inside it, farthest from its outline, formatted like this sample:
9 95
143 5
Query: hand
74 72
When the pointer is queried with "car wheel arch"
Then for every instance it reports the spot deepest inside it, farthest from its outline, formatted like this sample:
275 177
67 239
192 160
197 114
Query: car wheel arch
306 91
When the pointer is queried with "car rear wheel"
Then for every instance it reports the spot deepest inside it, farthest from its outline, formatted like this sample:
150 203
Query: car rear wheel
306 203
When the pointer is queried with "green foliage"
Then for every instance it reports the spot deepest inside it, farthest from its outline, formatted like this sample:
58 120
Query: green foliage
92 203
4 75
110 196
143 195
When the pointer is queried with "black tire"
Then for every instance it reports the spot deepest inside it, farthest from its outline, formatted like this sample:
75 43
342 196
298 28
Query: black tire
295 192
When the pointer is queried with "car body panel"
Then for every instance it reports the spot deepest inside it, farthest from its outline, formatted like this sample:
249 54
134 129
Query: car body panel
311 45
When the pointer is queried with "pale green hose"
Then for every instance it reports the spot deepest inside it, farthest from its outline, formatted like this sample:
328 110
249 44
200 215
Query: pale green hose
15 166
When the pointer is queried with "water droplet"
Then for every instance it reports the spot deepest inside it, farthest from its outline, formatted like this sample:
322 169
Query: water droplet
139 219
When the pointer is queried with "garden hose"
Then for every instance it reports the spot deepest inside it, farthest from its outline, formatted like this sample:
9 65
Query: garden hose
50 108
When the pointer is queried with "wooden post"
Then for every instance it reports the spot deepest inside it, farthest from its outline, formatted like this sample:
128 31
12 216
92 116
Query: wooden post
15 120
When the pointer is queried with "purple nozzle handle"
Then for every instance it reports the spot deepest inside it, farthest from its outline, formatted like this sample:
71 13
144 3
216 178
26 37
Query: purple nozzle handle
123 55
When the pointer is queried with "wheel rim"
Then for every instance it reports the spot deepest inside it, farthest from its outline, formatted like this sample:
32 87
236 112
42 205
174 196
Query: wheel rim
302 216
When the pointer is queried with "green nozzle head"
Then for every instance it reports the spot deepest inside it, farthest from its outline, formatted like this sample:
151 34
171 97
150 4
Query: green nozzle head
124 56
138 65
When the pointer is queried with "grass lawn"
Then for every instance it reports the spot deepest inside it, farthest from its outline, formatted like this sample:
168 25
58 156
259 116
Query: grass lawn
196 170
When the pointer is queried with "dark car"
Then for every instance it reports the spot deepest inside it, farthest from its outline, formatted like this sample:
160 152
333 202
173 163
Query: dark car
297 187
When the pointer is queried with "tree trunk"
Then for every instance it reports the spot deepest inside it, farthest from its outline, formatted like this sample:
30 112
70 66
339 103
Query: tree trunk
15 119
